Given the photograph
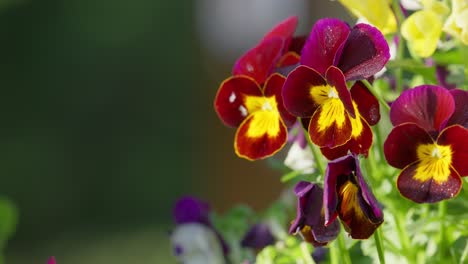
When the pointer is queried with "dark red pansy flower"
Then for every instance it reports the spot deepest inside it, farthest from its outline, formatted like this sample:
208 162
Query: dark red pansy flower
310 219
429 142
333 54
347 196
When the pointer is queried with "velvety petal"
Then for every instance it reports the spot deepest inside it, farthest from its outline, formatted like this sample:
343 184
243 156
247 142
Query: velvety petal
324 43
457 138
336 79
460 115
296 91
260 61
191 210
261 135
297 43
429 191
402 142
309 205
356 145
273 87
364 54
336 168
367 104
330 126
325 233
230 99
369 205
428 106
285 30
258 237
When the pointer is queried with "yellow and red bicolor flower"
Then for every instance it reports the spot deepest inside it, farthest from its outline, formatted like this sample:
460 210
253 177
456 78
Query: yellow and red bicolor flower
347 196
317 89
429 142
258 113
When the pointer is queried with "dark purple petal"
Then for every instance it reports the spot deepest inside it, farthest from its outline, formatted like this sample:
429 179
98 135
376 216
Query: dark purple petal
460 115
364 54
309 206
336 168
428 106
371 208
258 237
324 43
320 254
336 79
191 210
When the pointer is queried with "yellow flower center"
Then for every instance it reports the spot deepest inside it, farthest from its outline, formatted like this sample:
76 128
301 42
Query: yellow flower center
265 116
435 161
333 110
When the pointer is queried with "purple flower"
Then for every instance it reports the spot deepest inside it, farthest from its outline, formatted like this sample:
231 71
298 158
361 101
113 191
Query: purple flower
348 197
258 237
191 210
51 260
310 221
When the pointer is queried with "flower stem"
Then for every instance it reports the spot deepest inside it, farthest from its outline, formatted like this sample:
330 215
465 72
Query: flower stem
306 256
442 238
400 48
315 153
379 244
377 95
346 259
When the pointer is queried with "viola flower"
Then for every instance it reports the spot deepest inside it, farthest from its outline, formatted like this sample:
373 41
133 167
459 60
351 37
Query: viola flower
195 238
429 142
51 260
348 197
457 23
258 237
272 52
375 12
310 221
258 113
317 89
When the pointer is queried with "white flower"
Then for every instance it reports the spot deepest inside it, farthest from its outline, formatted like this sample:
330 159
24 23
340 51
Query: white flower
300 159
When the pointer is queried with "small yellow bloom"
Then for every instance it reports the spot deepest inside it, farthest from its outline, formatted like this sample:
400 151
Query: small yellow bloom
376 12
457 23
422 32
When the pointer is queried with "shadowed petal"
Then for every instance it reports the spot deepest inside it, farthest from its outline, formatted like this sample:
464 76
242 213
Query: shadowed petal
336 79
402 142
356 145
230 104
258 237
261 135
330 126
324 43
428 106
297 91
460 115
273 87
428 191
260 61
364 54
369 204
457 138
367 104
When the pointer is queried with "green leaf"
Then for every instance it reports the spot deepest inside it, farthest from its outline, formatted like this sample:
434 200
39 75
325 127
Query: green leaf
290 175
8 219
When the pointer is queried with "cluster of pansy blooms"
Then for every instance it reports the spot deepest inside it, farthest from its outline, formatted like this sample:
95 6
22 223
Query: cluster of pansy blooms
320 84
320 87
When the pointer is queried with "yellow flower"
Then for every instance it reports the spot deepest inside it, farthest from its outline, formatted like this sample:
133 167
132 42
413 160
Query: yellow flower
376 12
422 32
457 23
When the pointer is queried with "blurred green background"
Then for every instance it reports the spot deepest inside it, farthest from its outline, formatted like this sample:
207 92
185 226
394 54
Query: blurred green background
106 118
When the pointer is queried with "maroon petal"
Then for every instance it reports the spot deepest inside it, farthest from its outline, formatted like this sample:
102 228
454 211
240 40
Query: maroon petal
364 54
356 145
367 104
340 167
285 30
296 91
457 138
429 191
230 100
460 115
260 61
297 43
273 87
428 106
371 207
336 79
325 41
402 142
